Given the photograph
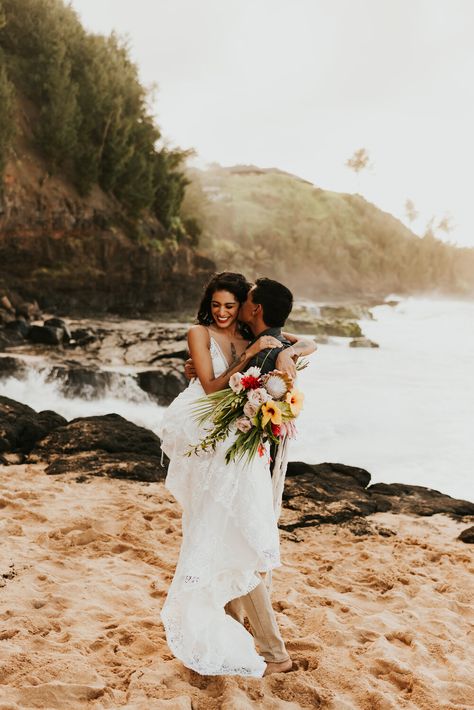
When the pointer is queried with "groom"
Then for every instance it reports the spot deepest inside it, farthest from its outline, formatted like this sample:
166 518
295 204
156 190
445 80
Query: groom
265 311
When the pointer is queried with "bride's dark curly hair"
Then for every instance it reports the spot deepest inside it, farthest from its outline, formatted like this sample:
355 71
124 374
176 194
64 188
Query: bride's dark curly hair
236 284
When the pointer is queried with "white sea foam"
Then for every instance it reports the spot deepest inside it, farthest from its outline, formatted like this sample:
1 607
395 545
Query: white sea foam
405 411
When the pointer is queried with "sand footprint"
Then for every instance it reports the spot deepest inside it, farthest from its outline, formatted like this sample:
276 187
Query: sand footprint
401 638
396 673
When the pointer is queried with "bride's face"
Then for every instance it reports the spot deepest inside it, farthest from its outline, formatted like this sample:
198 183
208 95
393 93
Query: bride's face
224 308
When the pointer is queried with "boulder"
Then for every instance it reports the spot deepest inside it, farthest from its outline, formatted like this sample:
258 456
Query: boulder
165 382
336 493
12 367
9 338
363 343
6 316
62 325
467 535
77 380
21 427
81 337
106 445
418 500
46 334
20 326
30 311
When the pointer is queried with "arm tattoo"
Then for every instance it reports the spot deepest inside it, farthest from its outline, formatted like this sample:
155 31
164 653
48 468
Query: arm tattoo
238 359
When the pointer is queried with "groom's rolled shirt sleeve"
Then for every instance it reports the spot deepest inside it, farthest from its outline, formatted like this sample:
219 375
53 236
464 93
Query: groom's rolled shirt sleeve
266 359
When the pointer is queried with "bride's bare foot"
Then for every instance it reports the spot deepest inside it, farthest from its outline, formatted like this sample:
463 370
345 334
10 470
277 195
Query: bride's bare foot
282 667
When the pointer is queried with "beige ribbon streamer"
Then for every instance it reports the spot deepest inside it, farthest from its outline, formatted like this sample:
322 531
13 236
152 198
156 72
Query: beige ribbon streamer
278 484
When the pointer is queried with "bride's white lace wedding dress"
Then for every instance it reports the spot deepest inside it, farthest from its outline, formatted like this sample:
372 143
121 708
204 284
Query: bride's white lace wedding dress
230 534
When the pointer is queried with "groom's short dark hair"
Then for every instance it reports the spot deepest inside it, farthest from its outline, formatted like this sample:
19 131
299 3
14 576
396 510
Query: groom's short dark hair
276 301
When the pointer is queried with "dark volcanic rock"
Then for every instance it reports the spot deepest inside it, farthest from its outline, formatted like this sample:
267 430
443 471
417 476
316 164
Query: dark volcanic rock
46 334
30 311
59 323
467 535
9 338
418 500
84 382
336 493
11 366
81 337
164 383
102 446
21 426
19 326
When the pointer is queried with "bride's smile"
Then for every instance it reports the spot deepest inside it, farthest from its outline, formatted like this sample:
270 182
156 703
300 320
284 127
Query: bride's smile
224 308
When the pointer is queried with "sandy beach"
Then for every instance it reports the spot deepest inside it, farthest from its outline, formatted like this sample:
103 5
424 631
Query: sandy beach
373 621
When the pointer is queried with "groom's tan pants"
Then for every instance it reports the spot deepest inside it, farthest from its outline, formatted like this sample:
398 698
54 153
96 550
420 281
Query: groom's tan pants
257 607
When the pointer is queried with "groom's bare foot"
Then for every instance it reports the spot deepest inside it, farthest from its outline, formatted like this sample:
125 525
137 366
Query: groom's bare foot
282 667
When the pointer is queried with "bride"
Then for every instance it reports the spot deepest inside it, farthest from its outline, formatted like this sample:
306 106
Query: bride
229 527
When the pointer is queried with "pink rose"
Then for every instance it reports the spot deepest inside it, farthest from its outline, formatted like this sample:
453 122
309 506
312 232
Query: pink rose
235 383
250 410
258 396
243 424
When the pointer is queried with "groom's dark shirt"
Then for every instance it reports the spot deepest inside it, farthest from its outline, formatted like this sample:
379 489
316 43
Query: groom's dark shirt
266 359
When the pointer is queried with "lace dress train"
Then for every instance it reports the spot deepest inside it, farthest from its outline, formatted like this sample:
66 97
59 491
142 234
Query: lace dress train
230 534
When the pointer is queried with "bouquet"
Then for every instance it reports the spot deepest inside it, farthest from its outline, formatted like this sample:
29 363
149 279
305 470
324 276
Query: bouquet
260 408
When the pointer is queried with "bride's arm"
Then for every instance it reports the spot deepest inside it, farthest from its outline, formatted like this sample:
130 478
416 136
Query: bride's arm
198 342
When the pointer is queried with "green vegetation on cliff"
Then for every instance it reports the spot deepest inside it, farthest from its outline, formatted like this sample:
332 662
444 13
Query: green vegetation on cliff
322 243
86 110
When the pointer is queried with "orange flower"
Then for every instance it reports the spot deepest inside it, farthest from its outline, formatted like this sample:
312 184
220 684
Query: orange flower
295 400
270 412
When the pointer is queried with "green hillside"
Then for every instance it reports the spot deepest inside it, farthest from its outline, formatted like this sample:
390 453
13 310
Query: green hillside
74 98
322 243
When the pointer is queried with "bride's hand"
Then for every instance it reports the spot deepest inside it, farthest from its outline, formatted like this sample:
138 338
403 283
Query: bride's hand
264 342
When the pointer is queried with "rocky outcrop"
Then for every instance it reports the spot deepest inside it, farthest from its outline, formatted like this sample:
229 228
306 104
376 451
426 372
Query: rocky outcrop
325 326
467 535
165 382
327 320
347 312
336 493
327 493
82 255
363 343
151 354
21 427
88 446
101 446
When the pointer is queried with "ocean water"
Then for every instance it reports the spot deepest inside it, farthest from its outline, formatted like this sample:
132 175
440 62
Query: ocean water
404 411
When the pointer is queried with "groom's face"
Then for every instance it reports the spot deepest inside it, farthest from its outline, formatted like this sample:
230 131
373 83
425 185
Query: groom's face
248 308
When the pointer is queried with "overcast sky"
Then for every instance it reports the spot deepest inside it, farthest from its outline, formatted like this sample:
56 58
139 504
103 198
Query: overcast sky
301 84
